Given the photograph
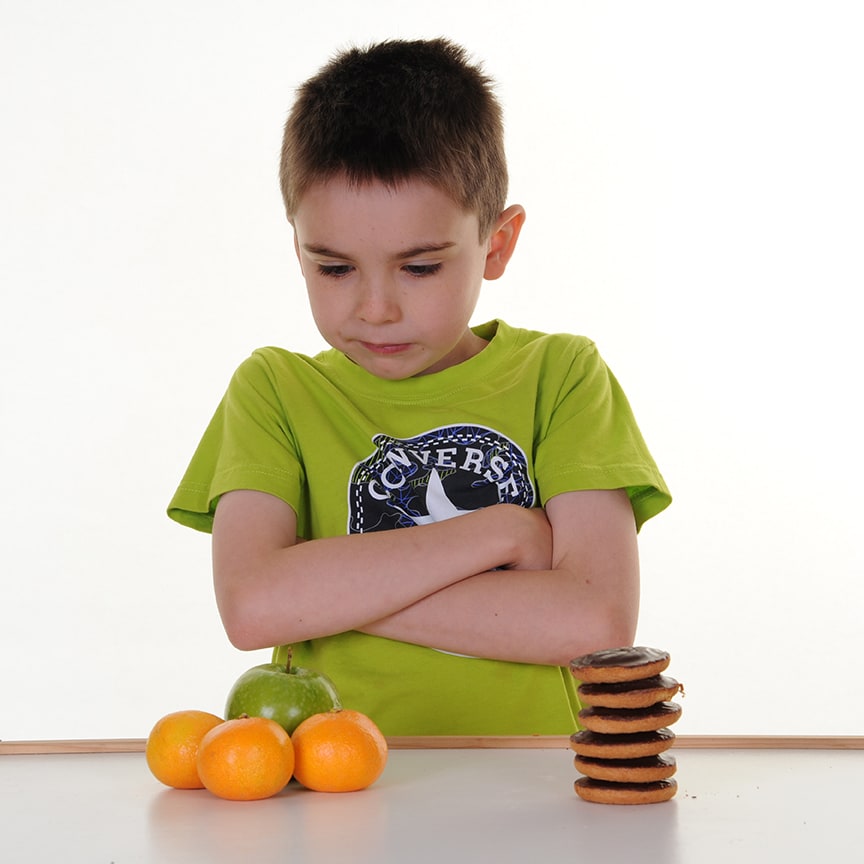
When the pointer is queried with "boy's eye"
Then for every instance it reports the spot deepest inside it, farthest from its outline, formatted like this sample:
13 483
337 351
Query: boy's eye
334 270
422 269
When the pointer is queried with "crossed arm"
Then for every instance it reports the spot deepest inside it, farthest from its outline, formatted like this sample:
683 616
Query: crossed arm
533 586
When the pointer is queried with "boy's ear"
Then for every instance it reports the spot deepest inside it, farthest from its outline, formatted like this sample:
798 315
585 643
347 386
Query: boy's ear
502 241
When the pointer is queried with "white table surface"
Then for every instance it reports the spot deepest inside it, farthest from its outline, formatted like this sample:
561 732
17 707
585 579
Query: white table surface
443 806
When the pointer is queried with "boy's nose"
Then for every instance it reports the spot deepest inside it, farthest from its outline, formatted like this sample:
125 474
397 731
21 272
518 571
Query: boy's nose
378 303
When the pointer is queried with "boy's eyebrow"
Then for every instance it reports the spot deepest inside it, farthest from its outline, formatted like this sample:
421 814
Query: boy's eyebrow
413 252
424 249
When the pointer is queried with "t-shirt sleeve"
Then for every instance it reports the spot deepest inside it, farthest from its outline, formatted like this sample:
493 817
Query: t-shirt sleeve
592 440
247 445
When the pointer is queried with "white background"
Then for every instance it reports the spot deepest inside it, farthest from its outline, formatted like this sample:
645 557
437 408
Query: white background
693 177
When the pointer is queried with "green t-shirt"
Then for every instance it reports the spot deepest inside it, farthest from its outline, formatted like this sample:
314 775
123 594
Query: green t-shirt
529 417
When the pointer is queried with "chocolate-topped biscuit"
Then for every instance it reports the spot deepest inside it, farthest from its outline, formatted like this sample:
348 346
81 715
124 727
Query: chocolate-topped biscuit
629 694
645 769
619 664
632 746
621 720
604 792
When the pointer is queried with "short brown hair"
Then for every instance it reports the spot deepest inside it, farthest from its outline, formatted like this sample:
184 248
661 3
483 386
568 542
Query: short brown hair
395 111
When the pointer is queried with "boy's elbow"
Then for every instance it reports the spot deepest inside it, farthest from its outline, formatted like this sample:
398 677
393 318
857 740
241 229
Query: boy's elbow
243 625
242 639
606 632
618 634
241 635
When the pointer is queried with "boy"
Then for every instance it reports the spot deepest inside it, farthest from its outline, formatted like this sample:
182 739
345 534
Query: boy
508 460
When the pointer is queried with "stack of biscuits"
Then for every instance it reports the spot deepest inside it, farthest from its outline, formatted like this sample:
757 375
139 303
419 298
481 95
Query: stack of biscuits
621 750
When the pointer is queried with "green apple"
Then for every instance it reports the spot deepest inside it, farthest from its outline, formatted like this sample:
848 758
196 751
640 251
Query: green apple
285 694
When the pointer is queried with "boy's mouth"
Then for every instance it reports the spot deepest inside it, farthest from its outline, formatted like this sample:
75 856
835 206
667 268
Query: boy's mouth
385 347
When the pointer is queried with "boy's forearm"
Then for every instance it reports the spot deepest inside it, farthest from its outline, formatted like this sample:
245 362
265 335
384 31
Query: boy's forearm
546 617
291 593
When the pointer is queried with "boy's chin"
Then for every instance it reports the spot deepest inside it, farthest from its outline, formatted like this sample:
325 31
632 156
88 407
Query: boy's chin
392 369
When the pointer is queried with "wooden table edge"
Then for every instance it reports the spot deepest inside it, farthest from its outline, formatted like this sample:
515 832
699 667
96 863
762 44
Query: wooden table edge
468 742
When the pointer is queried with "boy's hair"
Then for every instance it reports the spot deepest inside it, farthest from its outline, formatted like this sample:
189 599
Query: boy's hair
397 111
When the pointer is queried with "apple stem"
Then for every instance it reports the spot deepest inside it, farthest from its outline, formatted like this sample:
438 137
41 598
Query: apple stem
288 659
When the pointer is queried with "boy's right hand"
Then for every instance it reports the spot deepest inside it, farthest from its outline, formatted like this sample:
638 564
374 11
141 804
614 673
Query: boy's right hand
532 536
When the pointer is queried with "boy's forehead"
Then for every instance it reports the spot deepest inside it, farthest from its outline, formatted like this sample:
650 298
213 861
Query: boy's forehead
412 200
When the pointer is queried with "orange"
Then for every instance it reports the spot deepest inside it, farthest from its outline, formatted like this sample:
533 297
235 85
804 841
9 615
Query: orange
338 751
246 759
172 747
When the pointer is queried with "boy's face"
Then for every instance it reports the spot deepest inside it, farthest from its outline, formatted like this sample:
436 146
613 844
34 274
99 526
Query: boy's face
393 275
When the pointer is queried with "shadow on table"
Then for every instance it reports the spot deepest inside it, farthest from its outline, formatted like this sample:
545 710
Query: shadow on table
297 824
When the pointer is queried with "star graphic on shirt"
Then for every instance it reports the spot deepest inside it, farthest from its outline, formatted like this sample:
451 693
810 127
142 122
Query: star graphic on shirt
438 505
